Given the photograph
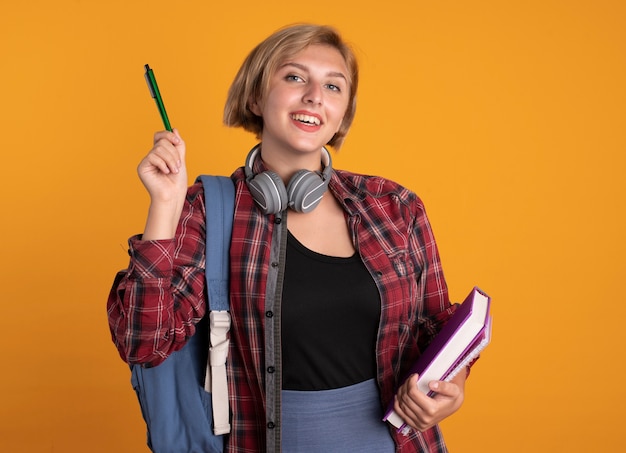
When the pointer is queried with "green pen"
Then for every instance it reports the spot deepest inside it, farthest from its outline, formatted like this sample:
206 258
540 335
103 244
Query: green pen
156 94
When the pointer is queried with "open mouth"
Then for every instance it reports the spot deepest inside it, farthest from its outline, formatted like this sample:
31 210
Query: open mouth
306 119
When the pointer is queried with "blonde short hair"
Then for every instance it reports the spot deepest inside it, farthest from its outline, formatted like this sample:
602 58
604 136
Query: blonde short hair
252 81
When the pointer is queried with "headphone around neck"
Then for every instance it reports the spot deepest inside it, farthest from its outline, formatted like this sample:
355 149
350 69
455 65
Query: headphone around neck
302 194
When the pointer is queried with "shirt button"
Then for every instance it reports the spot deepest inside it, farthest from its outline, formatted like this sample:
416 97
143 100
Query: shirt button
271 425
269 314
274 264
271 369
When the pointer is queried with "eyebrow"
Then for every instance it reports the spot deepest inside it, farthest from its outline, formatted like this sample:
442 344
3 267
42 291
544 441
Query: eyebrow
304 68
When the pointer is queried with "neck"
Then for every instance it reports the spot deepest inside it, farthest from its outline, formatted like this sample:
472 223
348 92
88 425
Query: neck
286 164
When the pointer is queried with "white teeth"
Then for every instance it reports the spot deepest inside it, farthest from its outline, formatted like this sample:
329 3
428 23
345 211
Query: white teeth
306 119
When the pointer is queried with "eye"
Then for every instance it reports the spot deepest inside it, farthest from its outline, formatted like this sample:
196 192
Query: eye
332 87
293 78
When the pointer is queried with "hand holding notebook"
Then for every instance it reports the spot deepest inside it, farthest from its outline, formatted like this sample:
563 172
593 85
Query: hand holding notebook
459 342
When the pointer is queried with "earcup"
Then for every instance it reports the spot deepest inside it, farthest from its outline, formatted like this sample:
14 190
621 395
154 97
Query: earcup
269 192
305 190
302 194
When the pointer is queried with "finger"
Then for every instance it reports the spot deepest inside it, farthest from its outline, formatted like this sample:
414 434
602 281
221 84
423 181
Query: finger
153 163
412 390
180 145
444 388
448 394
172 137
413 414
408 396
165 157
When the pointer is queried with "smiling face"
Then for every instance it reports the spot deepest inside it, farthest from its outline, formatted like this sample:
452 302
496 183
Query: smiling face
306 101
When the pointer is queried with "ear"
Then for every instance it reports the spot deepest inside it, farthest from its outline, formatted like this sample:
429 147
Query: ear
254 107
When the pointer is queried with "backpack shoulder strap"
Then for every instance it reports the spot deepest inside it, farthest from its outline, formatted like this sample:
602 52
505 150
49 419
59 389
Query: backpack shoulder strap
219 199
219 196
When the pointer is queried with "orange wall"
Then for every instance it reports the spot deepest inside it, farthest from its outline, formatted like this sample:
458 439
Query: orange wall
506 117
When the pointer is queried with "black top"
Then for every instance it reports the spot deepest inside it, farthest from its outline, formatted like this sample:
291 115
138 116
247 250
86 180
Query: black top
330 317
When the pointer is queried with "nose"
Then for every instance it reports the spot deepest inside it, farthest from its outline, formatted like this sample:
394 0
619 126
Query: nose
313 94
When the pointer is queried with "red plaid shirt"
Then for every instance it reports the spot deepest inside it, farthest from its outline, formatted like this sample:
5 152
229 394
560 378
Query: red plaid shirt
155 303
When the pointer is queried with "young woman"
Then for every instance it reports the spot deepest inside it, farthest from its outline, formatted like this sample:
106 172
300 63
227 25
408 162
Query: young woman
336 282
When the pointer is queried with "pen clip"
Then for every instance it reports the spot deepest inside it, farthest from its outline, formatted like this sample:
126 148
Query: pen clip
150 81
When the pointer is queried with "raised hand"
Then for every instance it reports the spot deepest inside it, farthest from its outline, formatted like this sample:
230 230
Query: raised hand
164 174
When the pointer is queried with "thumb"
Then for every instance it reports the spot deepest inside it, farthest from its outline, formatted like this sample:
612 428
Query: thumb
181 143
179 137
443 388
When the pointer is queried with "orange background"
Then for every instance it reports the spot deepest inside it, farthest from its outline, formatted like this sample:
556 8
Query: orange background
507 118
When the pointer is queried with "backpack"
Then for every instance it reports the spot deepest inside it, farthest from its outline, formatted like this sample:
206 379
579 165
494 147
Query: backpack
184 400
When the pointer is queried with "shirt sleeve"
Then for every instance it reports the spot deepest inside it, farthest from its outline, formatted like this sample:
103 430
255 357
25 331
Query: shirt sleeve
155 303
436 309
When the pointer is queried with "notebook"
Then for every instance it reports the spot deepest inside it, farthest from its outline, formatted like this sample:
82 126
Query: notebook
459 342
